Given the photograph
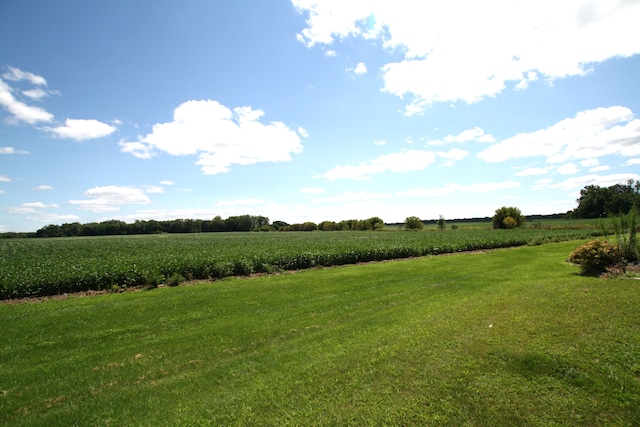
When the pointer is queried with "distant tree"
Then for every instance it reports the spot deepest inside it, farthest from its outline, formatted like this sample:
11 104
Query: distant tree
413 223
441 223
376 223
277 225
508 217
599 202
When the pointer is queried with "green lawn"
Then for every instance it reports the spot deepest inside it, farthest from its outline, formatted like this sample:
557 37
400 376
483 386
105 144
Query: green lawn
506 337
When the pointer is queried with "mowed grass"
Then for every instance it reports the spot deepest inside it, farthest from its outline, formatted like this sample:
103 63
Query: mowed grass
505 337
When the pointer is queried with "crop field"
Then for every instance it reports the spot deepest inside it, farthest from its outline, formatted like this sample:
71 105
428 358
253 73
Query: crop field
509 337
39 267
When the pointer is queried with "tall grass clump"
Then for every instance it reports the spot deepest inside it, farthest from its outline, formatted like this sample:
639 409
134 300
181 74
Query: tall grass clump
625 229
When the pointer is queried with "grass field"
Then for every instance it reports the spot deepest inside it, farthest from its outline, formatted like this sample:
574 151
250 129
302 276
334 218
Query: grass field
37 267
501 338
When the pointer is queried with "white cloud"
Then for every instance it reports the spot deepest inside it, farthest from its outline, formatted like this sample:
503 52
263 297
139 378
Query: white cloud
167 183
21 111
51 218
589 162
16 75
456 188
219 136
108 198
600 180
588 135
532 171
38 205
153 189
360 69
453 154
380 142
4 178
468 51
330 53
350 197
600 168
303 133
541 184
80 129
404 161
473 134
312 190
43 187
567 169
240 202
11 150
632 162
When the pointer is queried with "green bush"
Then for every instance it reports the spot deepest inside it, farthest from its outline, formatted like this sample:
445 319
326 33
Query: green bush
503 213
509 223
595 256
413 223
176 279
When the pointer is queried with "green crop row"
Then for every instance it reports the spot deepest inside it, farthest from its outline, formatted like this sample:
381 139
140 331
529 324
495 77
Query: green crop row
39 267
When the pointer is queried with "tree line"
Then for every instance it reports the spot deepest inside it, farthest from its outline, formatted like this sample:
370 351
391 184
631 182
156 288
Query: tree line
217 224
602 202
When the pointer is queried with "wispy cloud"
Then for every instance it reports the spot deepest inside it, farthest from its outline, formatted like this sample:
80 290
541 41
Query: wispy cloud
457 188
312 190
588 135
404 161
11 150
21 111
109 198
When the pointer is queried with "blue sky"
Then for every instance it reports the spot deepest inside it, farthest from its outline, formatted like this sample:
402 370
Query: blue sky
312 110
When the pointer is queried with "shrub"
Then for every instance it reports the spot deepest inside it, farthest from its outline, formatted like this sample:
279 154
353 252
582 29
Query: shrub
153 279
509 223
176 279
595 256
505 212
413 223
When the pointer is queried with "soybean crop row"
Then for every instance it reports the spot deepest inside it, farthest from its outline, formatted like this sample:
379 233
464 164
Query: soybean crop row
40 267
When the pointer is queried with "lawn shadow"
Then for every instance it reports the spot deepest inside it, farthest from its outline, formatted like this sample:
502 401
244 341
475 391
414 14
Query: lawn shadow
534 365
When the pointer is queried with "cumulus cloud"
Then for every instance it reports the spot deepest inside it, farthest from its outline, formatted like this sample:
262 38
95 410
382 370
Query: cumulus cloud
220 137
4 178
360 68
588 135
404 161
11 150
81 129
109 198
458 50
457 188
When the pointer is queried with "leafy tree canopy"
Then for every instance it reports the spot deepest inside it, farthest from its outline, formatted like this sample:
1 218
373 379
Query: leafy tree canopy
600 202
